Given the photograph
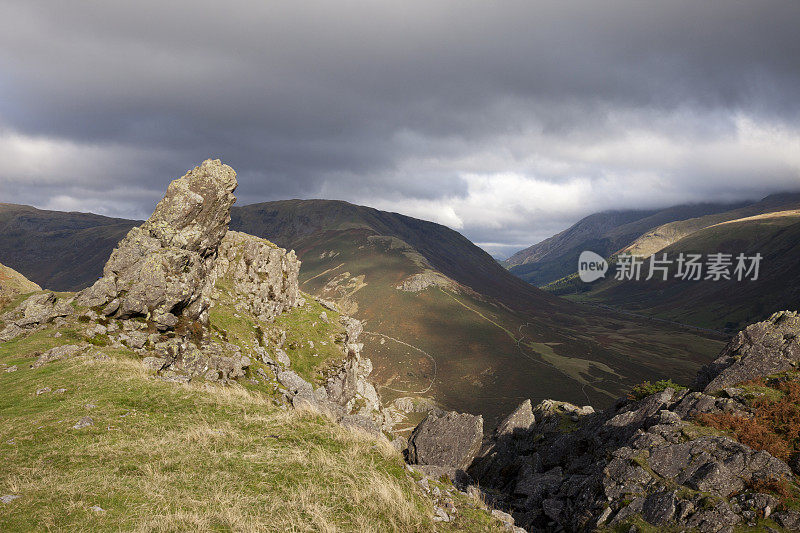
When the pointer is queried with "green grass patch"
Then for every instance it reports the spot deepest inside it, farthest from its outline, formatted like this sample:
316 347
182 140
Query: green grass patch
646 388
303 324
169 457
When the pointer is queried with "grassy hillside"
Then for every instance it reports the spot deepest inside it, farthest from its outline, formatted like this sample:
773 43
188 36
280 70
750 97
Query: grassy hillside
664 235
289 222
12 284
604 233
715 304
159 456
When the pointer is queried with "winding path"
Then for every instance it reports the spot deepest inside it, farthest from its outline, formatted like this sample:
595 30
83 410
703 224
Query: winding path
429 356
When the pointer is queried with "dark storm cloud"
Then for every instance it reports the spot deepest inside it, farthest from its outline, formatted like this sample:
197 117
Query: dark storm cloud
507 120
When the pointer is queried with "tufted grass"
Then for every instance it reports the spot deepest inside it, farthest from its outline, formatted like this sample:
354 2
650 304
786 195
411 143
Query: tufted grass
199 457
164 457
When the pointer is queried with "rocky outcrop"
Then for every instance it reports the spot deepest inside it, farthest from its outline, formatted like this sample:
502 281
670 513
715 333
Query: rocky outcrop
638 458
12 284
261 276
557 466
183 260
428 278
34 313
347 394
761 349
451 440
162 269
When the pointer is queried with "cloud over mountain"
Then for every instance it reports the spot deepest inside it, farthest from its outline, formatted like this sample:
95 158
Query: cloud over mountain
505 120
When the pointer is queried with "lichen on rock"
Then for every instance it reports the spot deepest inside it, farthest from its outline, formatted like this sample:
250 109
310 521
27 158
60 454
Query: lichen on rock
262 276
162 268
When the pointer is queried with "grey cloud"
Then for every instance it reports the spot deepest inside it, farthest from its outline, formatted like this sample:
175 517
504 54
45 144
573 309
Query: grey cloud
391 103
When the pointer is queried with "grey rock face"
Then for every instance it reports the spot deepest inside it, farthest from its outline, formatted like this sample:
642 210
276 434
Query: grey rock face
761 349
641 458
59 352
450 440
262 276
34 313
520 420
162 268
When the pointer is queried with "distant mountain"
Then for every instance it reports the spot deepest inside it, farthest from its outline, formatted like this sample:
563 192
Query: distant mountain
60 251
290 222
666 234
603 233
442 318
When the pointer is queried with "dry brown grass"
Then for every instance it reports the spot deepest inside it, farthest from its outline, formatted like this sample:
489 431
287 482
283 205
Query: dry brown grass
775 425
166 457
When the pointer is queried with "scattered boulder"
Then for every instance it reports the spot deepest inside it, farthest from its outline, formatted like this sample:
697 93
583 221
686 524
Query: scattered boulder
84 422
452 440
8 498
34 313
759 350
283 357
154 364
59 352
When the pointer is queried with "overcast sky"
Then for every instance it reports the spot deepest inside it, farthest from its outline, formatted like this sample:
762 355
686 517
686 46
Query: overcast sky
505 120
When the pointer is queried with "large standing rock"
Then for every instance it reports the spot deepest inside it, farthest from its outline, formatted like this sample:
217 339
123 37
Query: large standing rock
761 349
452 440
259 274
163 267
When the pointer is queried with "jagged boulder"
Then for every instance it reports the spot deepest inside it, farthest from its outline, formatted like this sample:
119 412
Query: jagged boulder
451 440
759 350
519 421
260 275
34 313
163 267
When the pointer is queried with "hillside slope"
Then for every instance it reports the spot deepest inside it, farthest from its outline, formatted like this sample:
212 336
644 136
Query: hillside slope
464 330
603 233
720 304
442 318
14 284
664 235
